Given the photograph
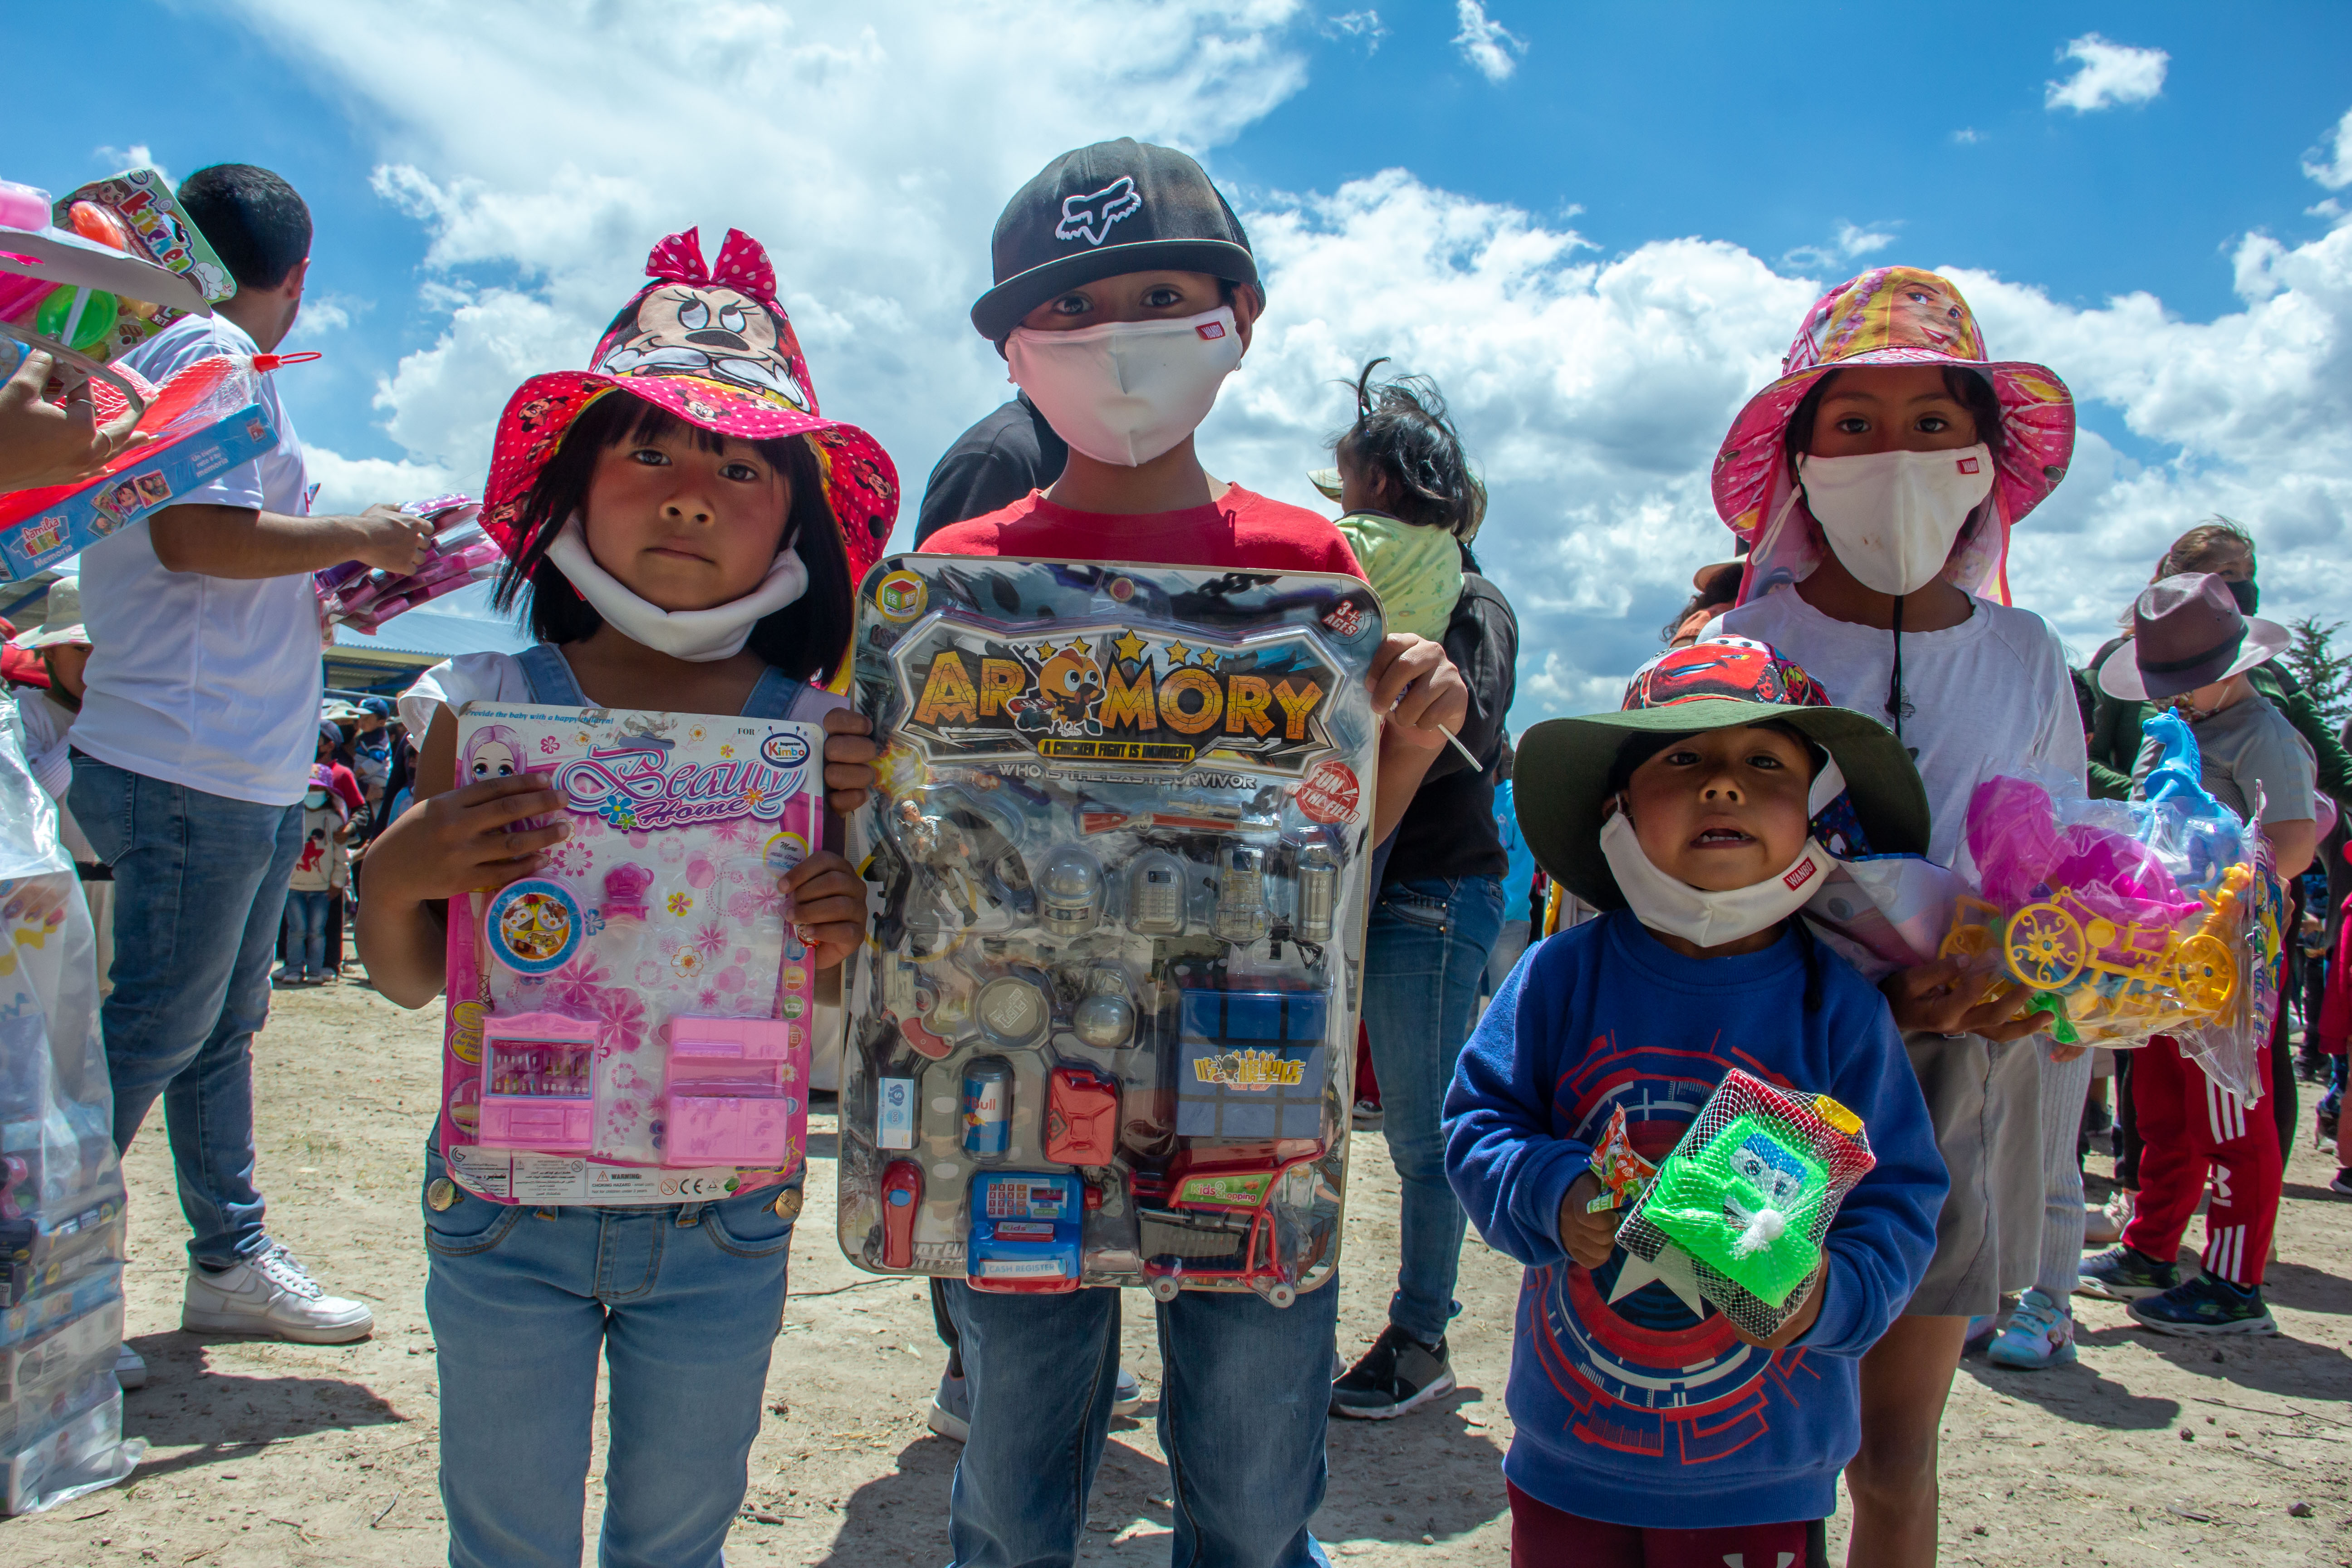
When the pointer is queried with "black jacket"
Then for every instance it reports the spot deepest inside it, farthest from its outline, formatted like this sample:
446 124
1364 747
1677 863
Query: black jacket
1449 829
991 466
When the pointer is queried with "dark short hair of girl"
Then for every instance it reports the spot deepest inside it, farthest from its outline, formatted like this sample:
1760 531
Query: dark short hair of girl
253 220
1970 389
1404 444
804 639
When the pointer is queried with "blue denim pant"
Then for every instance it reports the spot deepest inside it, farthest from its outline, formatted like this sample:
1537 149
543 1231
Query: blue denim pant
199 886
1424 955
306 929
1244 1397
683 1300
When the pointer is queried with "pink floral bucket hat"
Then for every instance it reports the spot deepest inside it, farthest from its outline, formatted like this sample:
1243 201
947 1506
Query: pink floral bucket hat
711 345
1890 316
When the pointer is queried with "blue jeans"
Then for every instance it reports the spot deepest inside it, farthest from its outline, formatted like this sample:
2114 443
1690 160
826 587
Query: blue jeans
199 885
1424 955
684 1301
306 929
1244 1397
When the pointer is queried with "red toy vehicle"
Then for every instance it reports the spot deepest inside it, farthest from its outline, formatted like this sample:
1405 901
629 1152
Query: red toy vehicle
1210 1217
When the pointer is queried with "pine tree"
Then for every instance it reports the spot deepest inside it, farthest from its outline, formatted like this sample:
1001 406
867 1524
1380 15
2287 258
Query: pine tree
2326 674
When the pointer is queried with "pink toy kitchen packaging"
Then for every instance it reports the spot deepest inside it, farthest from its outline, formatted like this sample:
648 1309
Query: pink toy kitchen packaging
631 1023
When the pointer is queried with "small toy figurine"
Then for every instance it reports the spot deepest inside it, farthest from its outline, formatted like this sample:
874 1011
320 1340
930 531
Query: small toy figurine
941 847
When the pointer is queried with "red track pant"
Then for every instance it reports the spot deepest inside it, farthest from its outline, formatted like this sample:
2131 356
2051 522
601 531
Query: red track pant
2192 1127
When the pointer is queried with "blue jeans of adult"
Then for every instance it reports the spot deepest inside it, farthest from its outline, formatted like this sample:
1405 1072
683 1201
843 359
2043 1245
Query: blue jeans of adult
199 888
306 929
1424 955
1245 1399
683 1302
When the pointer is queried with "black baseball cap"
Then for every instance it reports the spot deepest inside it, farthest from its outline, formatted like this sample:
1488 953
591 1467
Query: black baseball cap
1116 207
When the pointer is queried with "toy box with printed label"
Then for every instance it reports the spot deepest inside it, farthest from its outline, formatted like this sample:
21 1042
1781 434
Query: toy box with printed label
1104 1029
631 1025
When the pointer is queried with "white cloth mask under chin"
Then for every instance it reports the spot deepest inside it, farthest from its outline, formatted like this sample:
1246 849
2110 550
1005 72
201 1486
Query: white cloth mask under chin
1710 919
1128 392
1893 517
699 636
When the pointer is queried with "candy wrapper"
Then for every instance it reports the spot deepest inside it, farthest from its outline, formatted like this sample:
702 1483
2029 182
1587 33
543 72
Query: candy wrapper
1749 1194
1624 1174
2127 919
352 595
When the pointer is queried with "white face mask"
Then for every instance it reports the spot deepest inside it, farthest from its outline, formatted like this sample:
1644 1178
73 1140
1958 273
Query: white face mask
1128 392
1893 517
1712 919
699 636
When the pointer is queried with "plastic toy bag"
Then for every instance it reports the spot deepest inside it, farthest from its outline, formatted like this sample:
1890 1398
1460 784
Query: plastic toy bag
352 595
204 420
1884 914
60 1187
1747 1195
1104 1031
632 1025
2125 920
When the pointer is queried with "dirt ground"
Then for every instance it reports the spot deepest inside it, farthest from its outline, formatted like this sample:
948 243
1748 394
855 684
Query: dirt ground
2150 1451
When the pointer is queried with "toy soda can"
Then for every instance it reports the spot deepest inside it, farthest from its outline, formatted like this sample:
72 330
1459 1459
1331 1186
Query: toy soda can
987 1109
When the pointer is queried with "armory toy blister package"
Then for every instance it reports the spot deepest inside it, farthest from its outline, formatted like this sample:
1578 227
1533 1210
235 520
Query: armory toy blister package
1105 1029
631 1025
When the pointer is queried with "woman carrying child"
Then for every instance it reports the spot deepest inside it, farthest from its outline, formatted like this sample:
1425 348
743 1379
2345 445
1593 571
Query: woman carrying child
1877 480
685 530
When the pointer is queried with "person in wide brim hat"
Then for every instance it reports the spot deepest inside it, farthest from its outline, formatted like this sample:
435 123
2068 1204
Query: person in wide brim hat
1565 772
2188 633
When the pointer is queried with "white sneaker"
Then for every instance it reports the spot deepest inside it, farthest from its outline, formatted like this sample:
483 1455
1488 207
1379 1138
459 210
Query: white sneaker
130 1369
273 1297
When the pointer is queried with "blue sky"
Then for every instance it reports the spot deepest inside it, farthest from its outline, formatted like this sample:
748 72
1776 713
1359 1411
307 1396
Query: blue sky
1599 136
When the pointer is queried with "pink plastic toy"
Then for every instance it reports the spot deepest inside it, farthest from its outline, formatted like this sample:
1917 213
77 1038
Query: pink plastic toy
625 893
735 1091
2018 848
539 1083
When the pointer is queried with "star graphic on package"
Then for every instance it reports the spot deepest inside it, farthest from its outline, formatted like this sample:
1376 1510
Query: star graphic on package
1177 653
1672 1267
1044 651
1129 647
1078 647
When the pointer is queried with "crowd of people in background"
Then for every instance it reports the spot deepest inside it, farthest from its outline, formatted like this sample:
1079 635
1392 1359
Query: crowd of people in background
1551 927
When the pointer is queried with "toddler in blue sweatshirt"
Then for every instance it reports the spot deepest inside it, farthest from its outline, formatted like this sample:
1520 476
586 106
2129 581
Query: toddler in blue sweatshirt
1650 1429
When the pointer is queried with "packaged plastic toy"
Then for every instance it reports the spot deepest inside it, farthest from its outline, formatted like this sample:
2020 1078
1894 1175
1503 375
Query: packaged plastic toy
134 213
632 1025
2124 919
1624 1174
1747 1195
1104 1029
353 595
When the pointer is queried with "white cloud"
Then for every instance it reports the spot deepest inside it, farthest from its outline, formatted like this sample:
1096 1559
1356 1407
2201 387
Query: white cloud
1364 25
1852 240
1487 44
1967 136
2332 166
1592 388
2107 74
136 156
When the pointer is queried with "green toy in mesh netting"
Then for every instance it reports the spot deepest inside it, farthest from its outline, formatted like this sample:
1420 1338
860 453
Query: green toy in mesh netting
1747 1195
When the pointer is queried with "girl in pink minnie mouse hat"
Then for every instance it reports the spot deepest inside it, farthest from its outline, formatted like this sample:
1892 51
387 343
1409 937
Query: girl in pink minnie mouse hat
685 529
1876 480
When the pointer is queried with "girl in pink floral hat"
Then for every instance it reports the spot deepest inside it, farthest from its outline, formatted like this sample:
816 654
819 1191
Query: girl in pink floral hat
685 530
1876 481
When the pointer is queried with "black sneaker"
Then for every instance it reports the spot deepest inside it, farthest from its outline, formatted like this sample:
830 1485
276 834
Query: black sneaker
2124 1274
2206 1305
2342 1185
1397 1375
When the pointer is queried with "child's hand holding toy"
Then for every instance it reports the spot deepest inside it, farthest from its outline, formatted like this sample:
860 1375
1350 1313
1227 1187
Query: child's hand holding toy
825 899
1588 1236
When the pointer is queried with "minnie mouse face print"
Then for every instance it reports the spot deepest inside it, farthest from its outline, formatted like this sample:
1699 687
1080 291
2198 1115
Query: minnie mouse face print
708 329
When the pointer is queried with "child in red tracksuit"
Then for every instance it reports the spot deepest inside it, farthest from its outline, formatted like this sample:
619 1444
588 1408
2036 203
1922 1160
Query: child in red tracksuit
2190 648
2333 1033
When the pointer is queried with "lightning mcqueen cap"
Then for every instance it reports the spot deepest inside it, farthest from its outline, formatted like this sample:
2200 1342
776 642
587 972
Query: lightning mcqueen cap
1560 781
1116 207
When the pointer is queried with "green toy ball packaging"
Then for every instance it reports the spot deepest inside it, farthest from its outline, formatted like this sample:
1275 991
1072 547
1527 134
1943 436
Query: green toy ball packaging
1747 1195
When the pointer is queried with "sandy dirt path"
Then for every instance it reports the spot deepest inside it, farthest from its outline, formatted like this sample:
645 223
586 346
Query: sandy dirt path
2150 1451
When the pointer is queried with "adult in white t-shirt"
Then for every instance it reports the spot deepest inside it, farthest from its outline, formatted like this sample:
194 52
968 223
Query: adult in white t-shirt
193 747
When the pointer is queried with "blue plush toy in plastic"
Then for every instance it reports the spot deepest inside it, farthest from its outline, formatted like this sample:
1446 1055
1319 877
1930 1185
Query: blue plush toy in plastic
2211 833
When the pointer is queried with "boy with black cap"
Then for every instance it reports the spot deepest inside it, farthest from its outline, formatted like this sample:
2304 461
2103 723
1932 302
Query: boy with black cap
1125 294
1651 1428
